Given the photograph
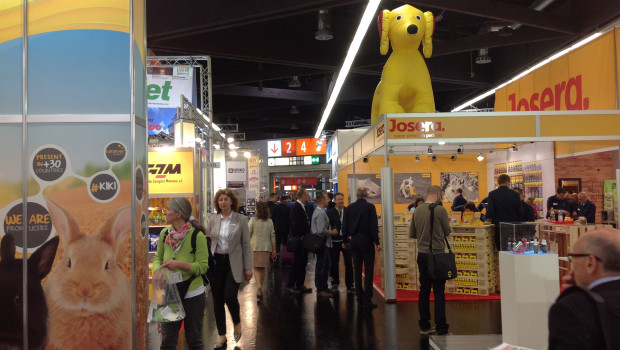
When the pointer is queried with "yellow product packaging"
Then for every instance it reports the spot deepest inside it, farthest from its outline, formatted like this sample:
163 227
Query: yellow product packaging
468 218
455 218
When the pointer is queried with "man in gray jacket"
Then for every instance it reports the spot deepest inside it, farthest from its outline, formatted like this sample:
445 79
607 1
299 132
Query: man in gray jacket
420 229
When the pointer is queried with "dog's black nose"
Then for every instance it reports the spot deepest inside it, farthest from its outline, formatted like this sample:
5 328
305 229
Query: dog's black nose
412 29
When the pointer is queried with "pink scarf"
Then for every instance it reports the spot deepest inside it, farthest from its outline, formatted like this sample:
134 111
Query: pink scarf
175 238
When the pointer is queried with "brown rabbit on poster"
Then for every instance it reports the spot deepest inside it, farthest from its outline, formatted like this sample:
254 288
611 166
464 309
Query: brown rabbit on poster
88 295
11 295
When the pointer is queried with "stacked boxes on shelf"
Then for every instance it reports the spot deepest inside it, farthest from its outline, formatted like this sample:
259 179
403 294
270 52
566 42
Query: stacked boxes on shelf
405 254
475 260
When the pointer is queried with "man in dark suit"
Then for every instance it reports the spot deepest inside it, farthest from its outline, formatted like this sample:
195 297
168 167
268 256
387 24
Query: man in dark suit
459 201
336 215
282 223
528 211
271 203
576 320
361 229
504 206
300 226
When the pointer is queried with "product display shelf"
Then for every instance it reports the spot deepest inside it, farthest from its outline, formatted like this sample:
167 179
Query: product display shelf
513 169
473 248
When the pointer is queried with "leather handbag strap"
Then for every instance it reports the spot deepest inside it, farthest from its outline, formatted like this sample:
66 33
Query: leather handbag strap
432 209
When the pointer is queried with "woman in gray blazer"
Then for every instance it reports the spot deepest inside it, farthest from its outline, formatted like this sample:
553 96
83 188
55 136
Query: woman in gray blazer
230 246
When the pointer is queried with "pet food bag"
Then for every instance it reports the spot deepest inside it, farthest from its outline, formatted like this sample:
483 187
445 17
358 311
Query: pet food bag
166 305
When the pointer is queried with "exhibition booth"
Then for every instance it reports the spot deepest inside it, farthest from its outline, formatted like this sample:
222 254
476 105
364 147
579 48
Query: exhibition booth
540 148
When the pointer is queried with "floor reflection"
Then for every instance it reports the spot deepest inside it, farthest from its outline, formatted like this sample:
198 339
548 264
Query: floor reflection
300 322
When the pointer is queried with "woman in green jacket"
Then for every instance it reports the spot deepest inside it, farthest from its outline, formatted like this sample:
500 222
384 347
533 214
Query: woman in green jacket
174 252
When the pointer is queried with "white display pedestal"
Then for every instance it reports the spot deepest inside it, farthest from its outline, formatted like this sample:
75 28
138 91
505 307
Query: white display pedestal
530 284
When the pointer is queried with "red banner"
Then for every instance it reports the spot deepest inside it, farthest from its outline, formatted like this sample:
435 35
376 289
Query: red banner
298 181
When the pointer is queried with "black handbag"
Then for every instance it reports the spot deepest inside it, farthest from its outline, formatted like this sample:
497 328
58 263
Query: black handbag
313 243
441 265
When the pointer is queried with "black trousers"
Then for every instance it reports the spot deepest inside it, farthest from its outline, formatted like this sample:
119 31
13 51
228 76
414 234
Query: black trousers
280 237
439 287
363 253
298 272
194 310
224 289
335 268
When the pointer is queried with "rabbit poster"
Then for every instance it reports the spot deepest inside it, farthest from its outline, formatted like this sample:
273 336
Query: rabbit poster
450 182
370 181
408 186
82 198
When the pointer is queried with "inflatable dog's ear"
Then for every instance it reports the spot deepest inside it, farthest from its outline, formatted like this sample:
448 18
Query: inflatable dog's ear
427 44
384 27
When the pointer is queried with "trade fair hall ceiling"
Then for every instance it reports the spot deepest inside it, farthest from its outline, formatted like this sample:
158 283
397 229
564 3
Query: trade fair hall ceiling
258 47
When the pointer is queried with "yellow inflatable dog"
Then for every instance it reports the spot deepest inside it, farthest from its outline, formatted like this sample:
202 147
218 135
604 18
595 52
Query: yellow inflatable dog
405 84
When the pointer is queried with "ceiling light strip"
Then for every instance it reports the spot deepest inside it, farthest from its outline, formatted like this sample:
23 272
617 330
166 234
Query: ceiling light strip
367 18
529 70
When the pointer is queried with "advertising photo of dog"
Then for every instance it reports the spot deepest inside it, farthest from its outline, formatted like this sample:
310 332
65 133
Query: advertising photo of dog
370 181
407 186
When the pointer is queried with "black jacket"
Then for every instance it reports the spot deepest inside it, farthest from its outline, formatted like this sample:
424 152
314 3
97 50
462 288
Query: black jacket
504 206
361 219
459 201
334 221
557 203
272 210
588 210
528 212
282 219
300 222
574 320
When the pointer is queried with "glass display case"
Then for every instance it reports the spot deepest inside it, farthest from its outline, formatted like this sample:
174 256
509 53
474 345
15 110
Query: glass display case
526 238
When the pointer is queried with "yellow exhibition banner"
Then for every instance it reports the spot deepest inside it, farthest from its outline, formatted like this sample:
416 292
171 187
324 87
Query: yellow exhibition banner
171 172
584 79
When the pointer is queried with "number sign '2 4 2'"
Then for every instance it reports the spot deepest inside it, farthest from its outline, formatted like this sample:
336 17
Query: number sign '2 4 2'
295 147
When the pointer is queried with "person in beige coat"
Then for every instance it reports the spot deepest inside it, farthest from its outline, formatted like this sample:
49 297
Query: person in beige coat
230 246
263 239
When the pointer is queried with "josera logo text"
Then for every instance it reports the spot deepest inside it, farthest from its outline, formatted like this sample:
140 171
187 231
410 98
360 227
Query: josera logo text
161 170
565 96
415 126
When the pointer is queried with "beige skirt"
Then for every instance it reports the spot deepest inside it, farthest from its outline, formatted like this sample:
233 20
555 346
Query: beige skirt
261 259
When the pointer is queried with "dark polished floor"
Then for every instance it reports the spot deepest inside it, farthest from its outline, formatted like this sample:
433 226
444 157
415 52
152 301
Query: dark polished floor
283 321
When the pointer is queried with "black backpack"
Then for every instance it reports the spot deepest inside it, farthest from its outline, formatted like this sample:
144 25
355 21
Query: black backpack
207 276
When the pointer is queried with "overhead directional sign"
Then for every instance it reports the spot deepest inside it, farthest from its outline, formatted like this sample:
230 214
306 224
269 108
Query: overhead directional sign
274 148
295 147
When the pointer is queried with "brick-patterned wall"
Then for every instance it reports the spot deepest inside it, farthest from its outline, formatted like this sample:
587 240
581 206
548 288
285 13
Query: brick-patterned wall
592 169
